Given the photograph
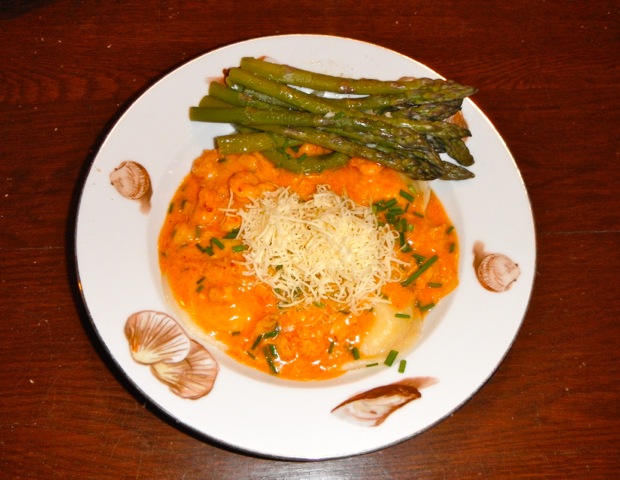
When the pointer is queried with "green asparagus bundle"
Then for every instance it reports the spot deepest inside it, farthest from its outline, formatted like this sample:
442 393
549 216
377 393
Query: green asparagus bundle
401 124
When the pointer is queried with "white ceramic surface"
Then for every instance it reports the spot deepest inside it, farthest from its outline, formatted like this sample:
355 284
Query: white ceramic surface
464 338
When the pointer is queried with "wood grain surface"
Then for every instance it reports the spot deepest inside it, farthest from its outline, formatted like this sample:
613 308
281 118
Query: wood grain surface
548 74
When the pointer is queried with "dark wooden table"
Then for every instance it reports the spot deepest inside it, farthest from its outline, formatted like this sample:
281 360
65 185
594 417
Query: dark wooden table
548 74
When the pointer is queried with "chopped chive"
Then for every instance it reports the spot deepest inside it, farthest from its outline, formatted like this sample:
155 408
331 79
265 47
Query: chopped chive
200 287
434 285
272 350
269 358
374 364
272 366
356 353
390 203
207 250
251 355
378 207
426 308
330 350
200 280
389 360
217 242
418 214
402 225
406 248
236 332
451 248
273 333
239 248
256 342
419 258
450 229
406 195
402 240
402 365
232 234
396 210
422 268
318 304
402 315
410 227
170 207
183 203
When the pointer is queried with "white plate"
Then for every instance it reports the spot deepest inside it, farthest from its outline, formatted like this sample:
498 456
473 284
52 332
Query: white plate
464 339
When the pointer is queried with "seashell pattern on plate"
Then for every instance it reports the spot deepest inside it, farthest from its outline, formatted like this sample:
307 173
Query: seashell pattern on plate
193 377
372 407
156 339
495 271
132 181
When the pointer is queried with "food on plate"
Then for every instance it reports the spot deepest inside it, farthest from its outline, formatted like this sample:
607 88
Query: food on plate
231 257
308 242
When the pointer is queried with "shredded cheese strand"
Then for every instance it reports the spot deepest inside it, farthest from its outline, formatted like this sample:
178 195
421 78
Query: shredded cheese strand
327 247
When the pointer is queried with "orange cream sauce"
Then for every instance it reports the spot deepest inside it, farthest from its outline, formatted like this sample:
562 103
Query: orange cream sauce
201 261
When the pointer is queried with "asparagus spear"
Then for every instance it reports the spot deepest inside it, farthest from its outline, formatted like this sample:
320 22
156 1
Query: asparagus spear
405 102
283 93
457 149
403 137
248 142
210 101
242 99
426 111
436 129
430 90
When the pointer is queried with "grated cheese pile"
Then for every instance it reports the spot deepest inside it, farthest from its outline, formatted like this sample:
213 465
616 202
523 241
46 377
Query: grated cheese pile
327 247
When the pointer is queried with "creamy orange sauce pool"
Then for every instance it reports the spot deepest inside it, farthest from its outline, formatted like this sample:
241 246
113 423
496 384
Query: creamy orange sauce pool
202 261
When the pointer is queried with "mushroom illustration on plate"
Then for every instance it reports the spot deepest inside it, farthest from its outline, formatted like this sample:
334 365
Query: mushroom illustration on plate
132 181
495 271
156 339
